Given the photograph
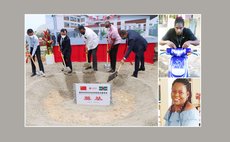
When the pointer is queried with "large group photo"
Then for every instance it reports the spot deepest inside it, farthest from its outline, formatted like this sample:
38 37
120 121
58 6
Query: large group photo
91 70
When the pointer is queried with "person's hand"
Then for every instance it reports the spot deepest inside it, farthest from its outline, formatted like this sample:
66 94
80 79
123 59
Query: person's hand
31 55
171 44
108 50
86 50
186 44
122 61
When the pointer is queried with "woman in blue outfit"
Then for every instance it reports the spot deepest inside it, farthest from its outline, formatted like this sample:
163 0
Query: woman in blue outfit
182 112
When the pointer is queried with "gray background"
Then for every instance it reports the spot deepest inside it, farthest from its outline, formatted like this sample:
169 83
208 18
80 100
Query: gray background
215 74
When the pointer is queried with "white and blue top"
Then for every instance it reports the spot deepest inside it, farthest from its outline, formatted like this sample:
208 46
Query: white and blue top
185 118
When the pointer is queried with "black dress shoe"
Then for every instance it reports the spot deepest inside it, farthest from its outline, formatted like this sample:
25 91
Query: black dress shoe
88 68
111 71
134 75
33 74
141 69
95 69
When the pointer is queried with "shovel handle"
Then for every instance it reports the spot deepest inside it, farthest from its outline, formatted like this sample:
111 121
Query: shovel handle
33 60
119 68
86 54
62 57
107 56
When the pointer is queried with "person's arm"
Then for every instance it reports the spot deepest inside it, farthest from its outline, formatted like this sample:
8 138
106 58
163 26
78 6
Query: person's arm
92 38
166 39
113 39
67 46
192 40
112 42
130 48
36 44
167 42
58 40
28 43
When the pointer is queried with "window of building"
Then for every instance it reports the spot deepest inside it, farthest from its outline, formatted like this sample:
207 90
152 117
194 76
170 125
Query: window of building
66 24
74 19
66 18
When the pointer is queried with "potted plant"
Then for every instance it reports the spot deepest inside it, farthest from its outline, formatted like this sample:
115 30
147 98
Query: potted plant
48 42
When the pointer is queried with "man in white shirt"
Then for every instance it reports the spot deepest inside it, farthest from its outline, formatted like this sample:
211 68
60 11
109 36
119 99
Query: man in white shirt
91 41
34 49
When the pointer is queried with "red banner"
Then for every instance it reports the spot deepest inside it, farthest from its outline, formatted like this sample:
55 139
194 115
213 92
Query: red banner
78 53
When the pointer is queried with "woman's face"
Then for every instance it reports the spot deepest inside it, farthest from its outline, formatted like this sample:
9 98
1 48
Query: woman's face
179 94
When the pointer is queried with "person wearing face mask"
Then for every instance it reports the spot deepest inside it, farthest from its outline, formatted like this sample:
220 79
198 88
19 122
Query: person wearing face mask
34 49
65 46
179 36
138 45
114 41
91 41
182 112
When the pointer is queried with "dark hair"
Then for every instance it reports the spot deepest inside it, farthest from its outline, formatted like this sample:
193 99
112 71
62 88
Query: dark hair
187 84
122 32
179 20
81 27
188 88
29 31
63 30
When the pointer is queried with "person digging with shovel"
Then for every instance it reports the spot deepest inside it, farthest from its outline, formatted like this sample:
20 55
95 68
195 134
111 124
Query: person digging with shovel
65 46
114 41
91 41
34 49
138 45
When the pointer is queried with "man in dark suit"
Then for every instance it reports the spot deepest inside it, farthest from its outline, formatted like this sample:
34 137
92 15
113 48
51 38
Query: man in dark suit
64 43
138 45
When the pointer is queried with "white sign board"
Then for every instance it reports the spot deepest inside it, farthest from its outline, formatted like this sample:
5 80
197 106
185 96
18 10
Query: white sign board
93 94
49 59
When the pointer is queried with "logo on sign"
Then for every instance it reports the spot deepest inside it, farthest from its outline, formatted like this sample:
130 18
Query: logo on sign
92 88
103 88
83 88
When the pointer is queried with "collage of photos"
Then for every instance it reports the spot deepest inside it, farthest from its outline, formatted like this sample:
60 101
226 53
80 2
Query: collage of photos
112 70
179 70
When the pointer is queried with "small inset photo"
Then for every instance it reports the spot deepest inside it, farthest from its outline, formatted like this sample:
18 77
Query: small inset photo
180 102
179 45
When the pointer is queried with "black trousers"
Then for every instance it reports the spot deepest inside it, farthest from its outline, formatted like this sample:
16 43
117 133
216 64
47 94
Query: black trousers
38 55
67 59
93 52
139 57
113 56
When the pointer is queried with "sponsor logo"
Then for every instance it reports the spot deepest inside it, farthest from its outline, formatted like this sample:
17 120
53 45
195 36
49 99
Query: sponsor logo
103 88
83 88
92 88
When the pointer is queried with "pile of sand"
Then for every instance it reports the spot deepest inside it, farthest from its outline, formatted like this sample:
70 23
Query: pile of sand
50 102
65 110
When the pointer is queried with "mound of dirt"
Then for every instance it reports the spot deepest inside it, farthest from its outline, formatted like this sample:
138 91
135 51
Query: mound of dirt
50 102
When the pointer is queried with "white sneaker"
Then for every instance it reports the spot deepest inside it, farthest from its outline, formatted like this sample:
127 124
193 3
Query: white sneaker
42 74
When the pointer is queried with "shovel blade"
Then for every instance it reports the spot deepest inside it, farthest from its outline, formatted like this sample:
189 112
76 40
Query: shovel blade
86 65
107 66
112 76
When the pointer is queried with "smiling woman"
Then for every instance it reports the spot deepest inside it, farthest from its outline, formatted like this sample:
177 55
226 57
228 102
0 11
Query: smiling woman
181 112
